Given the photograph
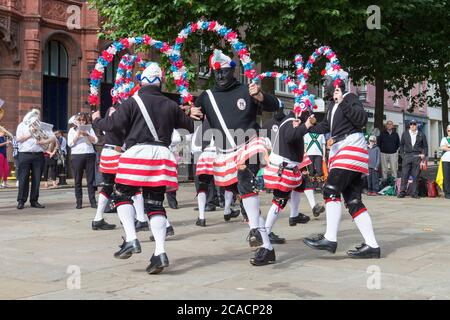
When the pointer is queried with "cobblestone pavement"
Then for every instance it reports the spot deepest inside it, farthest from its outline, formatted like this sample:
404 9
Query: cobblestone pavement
42 251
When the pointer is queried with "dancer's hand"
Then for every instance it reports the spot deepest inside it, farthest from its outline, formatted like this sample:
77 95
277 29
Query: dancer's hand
196 113
255 91
95 115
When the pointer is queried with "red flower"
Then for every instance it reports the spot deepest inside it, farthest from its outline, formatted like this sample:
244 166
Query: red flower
107 56
194 27
179 40
93 100
323 73
147 39
243 52
179 64
187 99
337 82
250 74
211 26
231 35
165 47
125 43
216 66
96 75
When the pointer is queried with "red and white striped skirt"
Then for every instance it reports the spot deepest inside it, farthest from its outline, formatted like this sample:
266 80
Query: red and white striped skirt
350 154
228 161
109 161
205 163
290 178
148 166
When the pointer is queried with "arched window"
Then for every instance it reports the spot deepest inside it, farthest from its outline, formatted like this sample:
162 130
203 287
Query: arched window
56 81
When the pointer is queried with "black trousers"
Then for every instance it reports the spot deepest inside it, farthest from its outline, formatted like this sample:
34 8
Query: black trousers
348 183
33 163
84 163
153 198
172 198
50 166
410 167
200 184
316 165
446 169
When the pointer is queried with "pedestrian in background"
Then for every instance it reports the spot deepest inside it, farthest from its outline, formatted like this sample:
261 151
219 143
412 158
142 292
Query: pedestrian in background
445 147
374 165
4 167
389 143
413 149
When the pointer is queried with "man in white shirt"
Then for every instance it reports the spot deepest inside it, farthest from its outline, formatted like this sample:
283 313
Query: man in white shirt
31 160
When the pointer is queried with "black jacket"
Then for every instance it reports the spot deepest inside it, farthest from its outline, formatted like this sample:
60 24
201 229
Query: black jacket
289 143
114 137
239 110
420 147
166 115
350 117
269 127
389 142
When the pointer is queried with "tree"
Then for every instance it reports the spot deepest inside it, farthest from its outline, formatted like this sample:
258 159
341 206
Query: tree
274 29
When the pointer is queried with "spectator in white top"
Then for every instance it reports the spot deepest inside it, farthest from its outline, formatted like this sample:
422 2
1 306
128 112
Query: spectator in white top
445 147
81 140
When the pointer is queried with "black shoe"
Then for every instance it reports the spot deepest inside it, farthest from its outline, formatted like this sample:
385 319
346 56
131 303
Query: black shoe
20 205
401 195
274 239
320 243
173 205
301 218
263 257
233 214
210 207
102 225
169 232
37 205
200 222
254 238
127 249
415 196
364 252
79 206
317 210
94 205
158 263
141 226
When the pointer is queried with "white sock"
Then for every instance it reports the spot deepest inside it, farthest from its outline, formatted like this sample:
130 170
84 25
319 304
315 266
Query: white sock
228 201
310 195
201 199
334 212
364 224
158 226
126 216
294 203
101 205
264 234
272 217
138 203
251 206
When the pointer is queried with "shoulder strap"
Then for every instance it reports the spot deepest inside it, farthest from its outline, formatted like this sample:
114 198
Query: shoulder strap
146 116
219 116
278 132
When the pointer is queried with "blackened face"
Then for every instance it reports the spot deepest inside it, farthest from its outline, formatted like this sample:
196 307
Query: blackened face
224 77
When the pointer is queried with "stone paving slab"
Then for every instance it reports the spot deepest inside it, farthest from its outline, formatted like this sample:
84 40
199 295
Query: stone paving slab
38 246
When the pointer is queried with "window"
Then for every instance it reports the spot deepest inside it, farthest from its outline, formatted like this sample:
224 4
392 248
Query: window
203 61
55 60
280 86
396 103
